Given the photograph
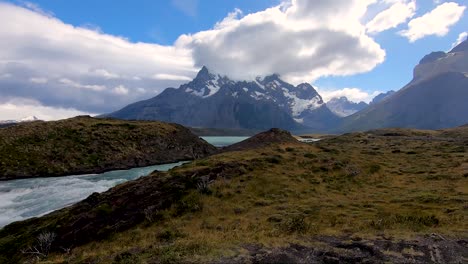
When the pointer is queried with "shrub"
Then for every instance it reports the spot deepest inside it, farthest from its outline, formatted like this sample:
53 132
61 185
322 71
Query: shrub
169 235
203 185
411 221
296 224
374 168
273 160
352 171
310 155
43 245
189 204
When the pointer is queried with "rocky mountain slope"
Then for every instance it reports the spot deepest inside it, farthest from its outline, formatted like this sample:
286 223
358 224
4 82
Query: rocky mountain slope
342 107
435 98
381 97
355 198
215 101
88 145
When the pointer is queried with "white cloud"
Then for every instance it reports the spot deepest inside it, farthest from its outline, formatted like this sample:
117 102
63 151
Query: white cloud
173 77
79 63
436 22
95 72
74 84
301 40
121 90
104 73
19 108
399 12
38 80
36 8
353 94
461 37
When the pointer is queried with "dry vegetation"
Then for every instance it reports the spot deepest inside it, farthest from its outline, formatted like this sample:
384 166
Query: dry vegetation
392 184
89 145
396 193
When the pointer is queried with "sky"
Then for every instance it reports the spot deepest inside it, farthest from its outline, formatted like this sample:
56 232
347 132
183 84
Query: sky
64 58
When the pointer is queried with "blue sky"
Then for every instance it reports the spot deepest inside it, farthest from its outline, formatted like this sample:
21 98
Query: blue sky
381 59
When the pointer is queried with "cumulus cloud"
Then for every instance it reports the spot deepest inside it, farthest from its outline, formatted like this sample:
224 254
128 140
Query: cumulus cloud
301 40
81 66
353 94
62 66
399 12
436 22
122 90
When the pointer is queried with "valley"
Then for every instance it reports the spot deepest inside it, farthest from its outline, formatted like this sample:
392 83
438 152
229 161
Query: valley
397 194
231 132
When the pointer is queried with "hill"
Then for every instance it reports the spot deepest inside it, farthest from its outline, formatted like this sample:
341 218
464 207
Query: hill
394 195
263 139
87 145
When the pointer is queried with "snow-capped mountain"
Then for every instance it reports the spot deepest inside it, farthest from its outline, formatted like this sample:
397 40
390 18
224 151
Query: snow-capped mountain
212 100
342 107
22 120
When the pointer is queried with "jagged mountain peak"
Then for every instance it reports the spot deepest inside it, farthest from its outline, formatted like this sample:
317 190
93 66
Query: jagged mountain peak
271 78
305 86
342 106
222 102
204 74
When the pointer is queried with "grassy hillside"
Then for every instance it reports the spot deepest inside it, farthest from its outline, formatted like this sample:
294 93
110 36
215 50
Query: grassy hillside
89 145
380 196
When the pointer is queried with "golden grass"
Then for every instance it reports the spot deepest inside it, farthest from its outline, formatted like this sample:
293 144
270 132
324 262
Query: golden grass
355 185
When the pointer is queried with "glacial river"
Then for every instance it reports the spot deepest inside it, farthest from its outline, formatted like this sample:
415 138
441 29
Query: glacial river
26 198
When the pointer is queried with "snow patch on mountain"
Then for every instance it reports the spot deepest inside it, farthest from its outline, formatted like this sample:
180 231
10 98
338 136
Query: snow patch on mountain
343 107
22 120
299 105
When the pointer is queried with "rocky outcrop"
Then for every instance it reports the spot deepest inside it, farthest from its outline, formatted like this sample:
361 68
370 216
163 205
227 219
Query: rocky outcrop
429 249
84 145
272 136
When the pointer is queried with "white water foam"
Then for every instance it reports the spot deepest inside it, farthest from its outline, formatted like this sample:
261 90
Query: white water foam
26 198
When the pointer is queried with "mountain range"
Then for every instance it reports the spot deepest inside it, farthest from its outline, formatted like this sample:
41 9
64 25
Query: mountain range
435 98
215 101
